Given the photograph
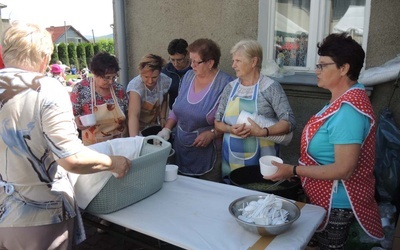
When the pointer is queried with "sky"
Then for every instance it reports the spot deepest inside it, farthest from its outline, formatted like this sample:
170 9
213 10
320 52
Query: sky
84 15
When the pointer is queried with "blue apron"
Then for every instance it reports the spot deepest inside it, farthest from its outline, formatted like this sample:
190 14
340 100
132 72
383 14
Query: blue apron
192 120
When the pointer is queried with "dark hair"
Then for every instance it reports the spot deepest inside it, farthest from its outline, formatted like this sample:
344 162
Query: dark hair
151 62
178 46
343 49
207 49
104 63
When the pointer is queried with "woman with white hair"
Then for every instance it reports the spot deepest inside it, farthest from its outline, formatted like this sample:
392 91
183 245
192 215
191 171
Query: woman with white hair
257 94
38 144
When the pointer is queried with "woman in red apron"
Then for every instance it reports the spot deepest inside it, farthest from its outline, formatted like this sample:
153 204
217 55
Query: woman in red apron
336 164
148 95
102 96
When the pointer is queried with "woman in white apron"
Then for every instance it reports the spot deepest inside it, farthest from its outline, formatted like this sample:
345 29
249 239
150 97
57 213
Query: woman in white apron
102 96
257 94
148 95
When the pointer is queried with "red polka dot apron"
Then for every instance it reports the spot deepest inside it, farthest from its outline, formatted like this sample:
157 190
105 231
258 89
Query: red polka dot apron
360 187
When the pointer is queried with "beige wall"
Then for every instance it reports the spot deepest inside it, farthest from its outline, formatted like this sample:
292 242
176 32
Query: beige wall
151 24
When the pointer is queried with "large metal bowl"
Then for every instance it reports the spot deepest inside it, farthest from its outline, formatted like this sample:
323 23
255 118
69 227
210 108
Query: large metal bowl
293 209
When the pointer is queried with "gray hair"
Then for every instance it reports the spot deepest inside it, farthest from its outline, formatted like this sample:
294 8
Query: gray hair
26 46
250 49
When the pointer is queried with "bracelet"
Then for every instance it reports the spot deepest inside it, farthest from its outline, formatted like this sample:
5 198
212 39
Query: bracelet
294 170
267 132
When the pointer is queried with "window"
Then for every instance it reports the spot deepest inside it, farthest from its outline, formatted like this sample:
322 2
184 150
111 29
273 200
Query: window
289 30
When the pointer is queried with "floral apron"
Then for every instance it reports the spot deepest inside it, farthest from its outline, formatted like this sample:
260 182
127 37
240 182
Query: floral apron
110 120
236 151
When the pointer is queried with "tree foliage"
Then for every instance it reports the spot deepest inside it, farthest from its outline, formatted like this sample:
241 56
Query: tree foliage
54 56
63 53
72 55
80 55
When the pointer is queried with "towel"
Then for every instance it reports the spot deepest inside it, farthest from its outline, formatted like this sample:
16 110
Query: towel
87 186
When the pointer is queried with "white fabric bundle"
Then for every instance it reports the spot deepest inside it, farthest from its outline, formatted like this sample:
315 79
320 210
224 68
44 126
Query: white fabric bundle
265 122
87 186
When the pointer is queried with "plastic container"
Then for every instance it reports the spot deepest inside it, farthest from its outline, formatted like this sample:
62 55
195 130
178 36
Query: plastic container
145 178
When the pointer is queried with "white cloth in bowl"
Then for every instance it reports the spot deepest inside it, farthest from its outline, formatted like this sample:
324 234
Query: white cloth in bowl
87 186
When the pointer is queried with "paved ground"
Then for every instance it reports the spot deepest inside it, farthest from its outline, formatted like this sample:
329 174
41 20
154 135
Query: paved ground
117 238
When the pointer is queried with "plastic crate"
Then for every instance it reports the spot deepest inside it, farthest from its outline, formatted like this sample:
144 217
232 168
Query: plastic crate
145 178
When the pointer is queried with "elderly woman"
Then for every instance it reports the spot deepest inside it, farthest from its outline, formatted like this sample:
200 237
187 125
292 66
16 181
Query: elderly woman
197 145
148 95
38 145
257 94
337 156
103 96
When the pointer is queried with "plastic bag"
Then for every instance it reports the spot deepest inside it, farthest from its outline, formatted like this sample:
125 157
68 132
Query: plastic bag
387 164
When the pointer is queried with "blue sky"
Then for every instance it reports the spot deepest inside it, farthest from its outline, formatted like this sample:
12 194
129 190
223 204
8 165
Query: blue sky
83 15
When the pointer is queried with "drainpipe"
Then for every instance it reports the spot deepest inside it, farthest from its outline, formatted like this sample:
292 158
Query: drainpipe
120 35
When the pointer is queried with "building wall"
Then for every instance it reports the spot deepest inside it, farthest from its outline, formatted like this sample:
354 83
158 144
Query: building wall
152 24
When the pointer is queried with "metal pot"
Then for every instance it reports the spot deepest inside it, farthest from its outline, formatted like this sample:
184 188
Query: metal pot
250 177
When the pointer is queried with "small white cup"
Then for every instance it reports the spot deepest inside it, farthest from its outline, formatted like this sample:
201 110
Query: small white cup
266 167
171 172
88 120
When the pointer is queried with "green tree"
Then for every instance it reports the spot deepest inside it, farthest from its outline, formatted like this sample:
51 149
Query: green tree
89 53
96 48
73 58
54 56
81 53
63 53
106 45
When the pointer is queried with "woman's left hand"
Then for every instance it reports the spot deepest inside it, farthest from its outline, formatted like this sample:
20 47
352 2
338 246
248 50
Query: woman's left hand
203 139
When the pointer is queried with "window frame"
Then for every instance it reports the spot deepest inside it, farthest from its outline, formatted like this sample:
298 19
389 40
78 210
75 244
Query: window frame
318 12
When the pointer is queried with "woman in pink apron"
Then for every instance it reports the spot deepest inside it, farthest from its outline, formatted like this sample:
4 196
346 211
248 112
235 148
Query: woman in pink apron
256 94
102 96
148 95
336 164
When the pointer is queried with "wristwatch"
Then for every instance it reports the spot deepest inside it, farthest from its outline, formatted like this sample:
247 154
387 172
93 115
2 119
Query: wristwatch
213 131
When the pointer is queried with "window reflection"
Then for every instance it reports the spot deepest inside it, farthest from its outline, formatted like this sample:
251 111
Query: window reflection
292 21
292 25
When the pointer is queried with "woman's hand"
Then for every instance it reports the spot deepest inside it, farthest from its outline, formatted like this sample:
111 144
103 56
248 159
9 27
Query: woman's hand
120 166
285 171
203 139
240 130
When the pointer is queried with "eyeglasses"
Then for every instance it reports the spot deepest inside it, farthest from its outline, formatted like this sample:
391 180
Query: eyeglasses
320 66
179 60
194 63
109 78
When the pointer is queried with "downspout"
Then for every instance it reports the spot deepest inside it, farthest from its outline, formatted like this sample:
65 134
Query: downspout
120 35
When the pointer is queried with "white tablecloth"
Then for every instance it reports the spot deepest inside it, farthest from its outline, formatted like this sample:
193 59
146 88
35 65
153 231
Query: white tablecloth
193 214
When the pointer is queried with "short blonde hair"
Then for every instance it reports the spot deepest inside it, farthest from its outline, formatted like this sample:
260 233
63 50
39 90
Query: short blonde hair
26 45
151 62
250 49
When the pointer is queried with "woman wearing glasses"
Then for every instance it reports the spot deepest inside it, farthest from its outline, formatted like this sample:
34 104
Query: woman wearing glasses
177 67
148 95
197 145
103 96
256 94
336 164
